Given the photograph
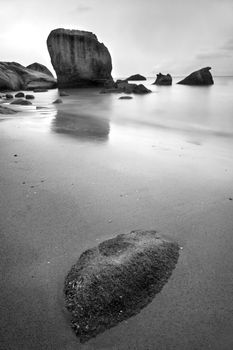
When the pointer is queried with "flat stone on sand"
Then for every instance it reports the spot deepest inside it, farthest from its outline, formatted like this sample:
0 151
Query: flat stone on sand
116 279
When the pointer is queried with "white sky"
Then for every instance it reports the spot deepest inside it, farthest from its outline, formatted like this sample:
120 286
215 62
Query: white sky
143 36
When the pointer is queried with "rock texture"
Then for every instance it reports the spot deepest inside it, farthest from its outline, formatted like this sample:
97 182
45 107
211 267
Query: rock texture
78 58
14 76
38 67
116 279
123 86
199 77
163 79
136 77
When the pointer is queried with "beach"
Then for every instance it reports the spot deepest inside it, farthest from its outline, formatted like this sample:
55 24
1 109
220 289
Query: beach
75 174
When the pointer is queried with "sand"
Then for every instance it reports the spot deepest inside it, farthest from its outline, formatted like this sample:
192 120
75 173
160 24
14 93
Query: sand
64 192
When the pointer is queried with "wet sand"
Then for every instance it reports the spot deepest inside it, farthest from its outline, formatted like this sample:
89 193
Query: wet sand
66 191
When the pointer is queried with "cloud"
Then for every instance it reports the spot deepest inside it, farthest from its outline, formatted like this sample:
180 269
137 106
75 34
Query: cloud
213 55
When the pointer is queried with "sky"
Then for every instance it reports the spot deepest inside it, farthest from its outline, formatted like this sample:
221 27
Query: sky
143 36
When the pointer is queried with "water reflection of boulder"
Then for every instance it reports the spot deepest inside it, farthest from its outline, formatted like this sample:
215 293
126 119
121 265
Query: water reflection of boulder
82 126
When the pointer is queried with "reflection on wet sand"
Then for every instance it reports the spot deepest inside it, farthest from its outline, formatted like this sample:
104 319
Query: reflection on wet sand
82 126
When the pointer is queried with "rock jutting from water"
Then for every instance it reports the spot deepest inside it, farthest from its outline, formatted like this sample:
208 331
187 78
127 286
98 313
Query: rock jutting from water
199 77
79 59
163 79
116 279
38 67
14 76
123 86
136 77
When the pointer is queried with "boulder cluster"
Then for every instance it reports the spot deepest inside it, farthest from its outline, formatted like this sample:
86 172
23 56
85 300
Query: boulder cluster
80 60
14 77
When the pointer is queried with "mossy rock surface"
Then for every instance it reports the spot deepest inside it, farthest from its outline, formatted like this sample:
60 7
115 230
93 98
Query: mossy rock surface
116 279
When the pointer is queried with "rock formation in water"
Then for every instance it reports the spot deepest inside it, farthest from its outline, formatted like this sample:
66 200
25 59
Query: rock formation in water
199 77
122 86
79 59
116 279
14 76
136 77
163 79
40 68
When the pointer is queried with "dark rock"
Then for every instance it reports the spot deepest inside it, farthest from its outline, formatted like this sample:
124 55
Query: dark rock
19 94
116 279
125 98
163 79
38 67
29 97
14 76
78 58
9 96
40 90
141 89
63 93
124 86
58 100
21 102
5 110
199 77
136 77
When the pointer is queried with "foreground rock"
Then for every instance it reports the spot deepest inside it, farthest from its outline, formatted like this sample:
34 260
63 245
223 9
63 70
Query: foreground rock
38 67
78 58
163 79
125 98
116 279
123 86
14 76
199 77
136 77
5 110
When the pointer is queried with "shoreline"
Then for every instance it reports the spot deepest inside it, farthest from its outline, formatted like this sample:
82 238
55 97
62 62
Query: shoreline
64 193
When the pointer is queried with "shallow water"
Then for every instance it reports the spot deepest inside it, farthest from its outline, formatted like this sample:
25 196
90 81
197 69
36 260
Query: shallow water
96 166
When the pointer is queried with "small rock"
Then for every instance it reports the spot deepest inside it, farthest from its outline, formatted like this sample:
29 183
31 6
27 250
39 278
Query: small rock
9 96
15 155
19 94
40 90
29 97
230 199
136 77
125 98
21 102
58 100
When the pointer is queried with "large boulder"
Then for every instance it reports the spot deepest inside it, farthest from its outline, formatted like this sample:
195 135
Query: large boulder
163 79
199 77
79 59
14 76
40 68
116 279
136 77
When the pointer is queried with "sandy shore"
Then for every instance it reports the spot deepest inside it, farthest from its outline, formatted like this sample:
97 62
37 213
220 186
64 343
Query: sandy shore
62 193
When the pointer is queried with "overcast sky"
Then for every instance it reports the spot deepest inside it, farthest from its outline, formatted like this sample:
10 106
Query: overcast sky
143 36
